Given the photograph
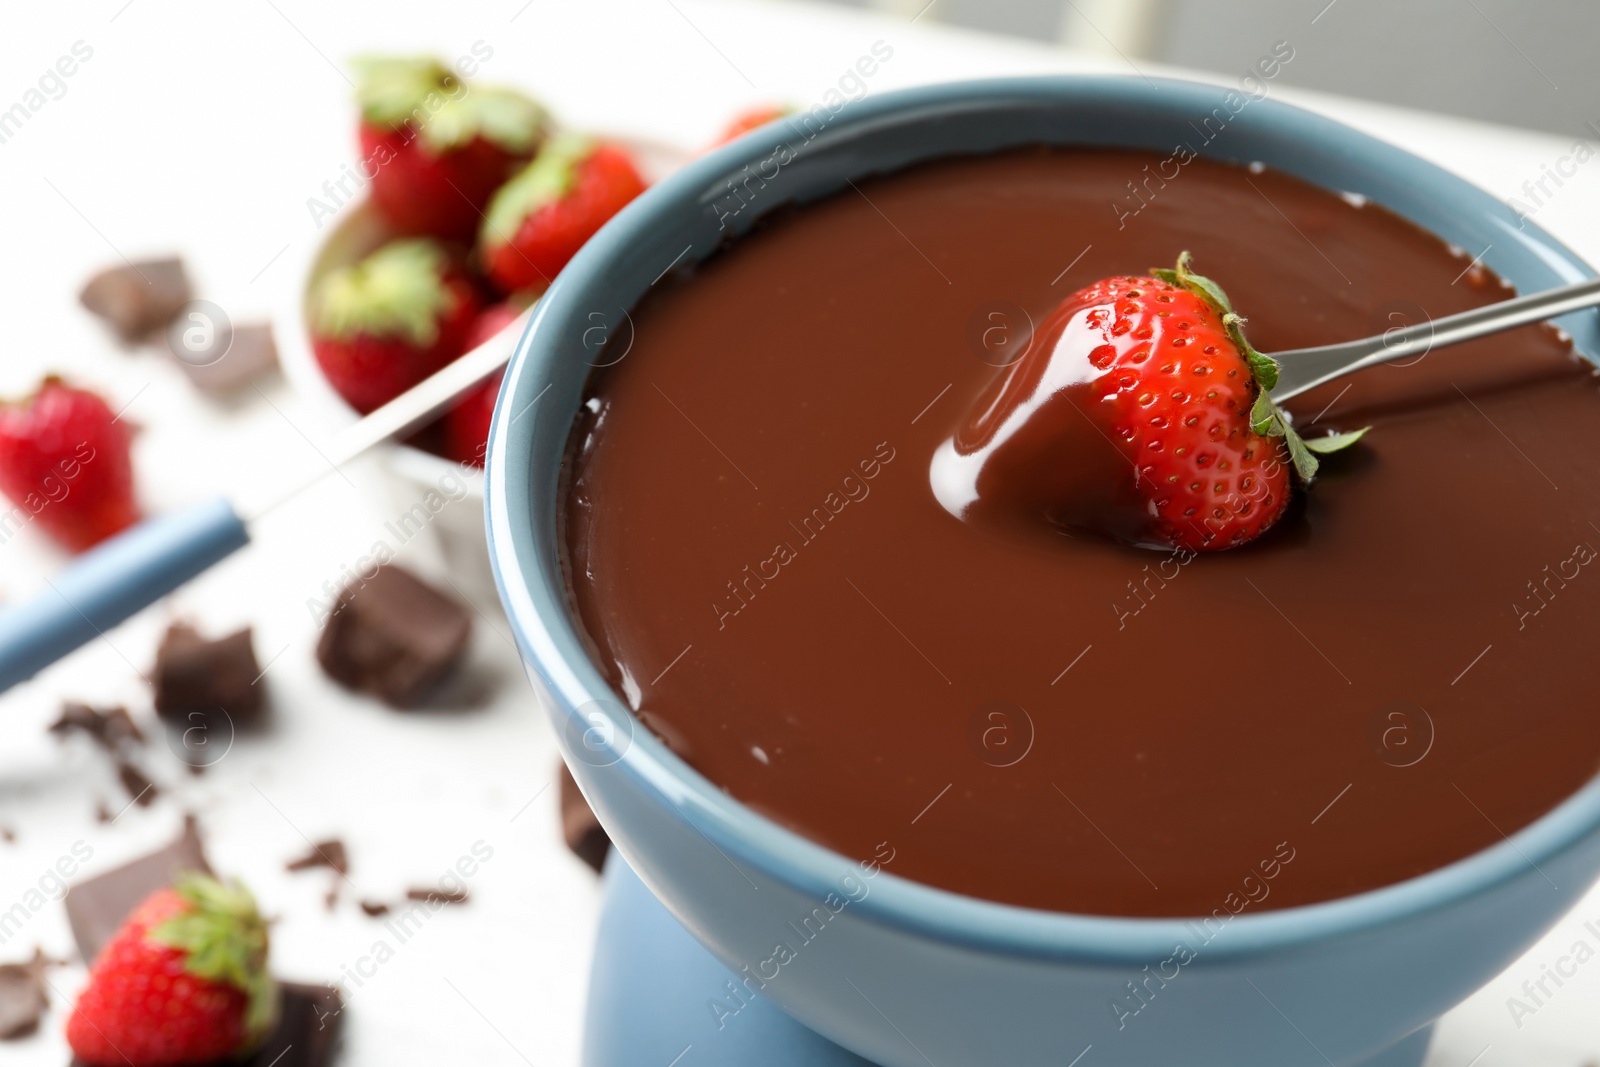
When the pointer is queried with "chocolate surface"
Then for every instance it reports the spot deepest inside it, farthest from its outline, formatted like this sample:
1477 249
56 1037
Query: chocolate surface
1393 678
330 854
394 636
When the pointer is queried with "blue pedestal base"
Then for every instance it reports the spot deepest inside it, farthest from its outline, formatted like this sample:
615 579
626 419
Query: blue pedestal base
648 994
652 980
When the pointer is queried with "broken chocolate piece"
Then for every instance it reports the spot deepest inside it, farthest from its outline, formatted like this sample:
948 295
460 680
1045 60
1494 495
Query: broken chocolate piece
137 783
138 299
197 681
426 895
22 996
374 908
307 1034
330 854
583 833
96 907
394 636
112 729
248 354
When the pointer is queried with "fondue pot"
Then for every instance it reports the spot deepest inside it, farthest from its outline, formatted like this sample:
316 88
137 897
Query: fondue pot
727 939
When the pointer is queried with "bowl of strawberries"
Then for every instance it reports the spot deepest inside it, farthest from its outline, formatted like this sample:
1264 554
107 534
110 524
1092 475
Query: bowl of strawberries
476 199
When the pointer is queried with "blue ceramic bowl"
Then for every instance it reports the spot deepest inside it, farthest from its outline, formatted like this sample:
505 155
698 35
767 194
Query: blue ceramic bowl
904 974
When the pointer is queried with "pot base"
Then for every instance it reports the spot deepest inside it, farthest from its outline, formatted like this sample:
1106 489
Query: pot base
652 983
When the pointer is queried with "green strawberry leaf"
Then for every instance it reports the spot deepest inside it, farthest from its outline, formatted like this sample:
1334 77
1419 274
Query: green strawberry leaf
1305 462
1198 284
224 939
1335 442
399 289
397 92
503 117
1264 367
542 182
1264 418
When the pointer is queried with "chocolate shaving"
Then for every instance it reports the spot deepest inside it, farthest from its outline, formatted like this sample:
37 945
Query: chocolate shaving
137 783
113 729
23 1000
330 854
438 896
374 908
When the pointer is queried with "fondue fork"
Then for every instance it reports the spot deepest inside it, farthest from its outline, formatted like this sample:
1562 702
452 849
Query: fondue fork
142 564
1306 368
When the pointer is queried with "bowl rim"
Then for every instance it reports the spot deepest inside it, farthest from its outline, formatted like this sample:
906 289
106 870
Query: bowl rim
553 648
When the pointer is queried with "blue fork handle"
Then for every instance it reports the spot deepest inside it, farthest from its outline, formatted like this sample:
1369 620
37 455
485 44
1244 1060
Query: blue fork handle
112 581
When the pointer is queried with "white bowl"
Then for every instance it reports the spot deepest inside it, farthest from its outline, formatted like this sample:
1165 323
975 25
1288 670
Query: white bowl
455 532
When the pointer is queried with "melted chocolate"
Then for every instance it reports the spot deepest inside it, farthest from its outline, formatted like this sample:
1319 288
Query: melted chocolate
1386 682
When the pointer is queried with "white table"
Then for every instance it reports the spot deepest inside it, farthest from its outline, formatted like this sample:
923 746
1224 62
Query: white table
205 128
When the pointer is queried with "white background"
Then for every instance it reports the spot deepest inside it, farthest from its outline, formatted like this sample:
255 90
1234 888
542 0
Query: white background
204 128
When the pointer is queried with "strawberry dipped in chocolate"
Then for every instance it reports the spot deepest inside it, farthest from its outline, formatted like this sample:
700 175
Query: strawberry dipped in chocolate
1139 411
382 325
437 148
540 218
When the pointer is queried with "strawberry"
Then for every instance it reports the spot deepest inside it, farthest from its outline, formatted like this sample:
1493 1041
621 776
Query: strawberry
542 216
1158 367
64 460
437 148
383 325
466 425
183 981
750 119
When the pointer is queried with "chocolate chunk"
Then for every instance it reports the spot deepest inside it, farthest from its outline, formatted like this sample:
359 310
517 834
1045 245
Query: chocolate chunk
374 908
22 996
137 783
583 833
138 299
247 355
96 907
308 1028
307 1033
198 681
102 813
113 729
393 636
438 896
330 854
